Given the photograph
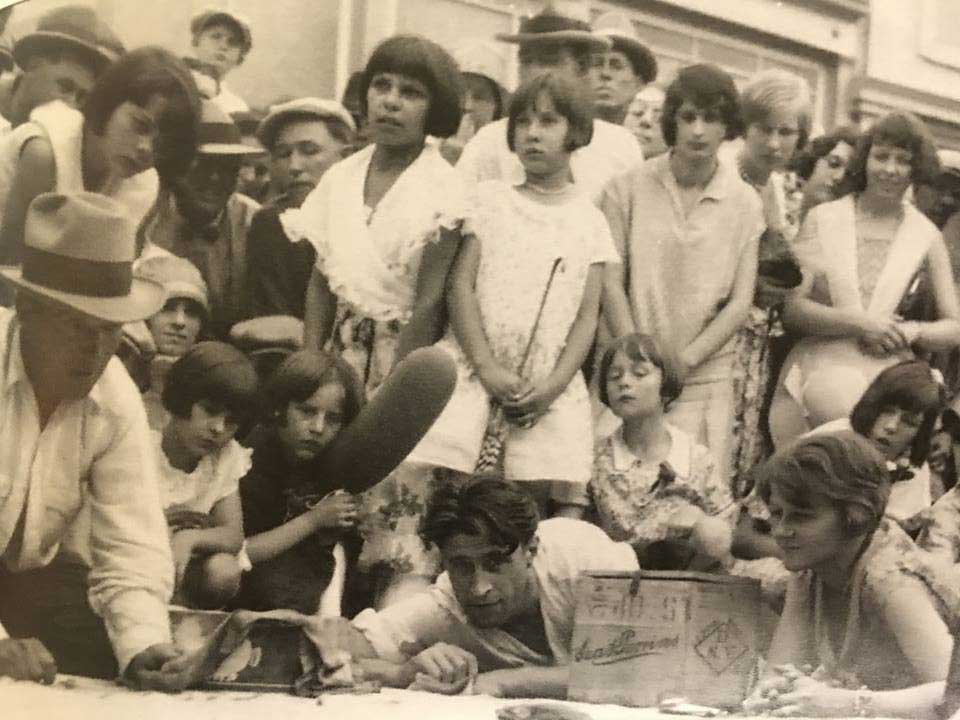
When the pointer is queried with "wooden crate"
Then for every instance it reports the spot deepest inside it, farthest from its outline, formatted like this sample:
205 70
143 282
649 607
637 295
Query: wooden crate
642 637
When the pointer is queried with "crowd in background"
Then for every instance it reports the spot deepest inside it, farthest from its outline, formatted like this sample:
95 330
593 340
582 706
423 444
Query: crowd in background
428 351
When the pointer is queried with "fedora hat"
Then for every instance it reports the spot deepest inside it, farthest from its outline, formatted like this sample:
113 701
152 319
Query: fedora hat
619 29
551 26
79 251
211 16
219 135
306 107
72 26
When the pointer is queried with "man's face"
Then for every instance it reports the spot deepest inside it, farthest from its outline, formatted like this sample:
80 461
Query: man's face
66 78
303 152
64 351
614 81
208 185
539 58
494 586
176 326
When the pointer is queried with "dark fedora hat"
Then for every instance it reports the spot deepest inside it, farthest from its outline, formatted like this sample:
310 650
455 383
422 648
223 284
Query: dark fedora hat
551 26
77 27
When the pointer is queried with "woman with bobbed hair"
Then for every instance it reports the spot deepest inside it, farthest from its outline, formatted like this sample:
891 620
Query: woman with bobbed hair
687 227
861 256
776 107
140 121
382 219
865 606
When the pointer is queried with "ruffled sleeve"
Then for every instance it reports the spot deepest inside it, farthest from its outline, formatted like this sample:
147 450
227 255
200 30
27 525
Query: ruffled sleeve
235 462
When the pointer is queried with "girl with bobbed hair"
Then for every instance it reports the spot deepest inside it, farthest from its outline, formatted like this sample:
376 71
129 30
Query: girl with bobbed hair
687 230
862 255
653 485
140 121
865 606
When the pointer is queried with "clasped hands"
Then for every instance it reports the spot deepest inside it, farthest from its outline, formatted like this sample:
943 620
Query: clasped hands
885 336
523 402
451 670
791 692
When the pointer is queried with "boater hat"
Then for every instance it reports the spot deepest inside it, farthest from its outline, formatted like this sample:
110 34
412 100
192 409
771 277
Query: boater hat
72 26
620 30
550 26
79 251
219 135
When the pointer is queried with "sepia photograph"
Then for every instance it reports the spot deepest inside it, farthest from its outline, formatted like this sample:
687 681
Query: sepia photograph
479 359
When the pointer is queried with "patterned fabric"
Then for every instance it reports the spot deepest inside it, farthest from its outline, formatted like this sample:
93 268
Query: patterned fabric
634 500
941 536
520 240
868 652
781 196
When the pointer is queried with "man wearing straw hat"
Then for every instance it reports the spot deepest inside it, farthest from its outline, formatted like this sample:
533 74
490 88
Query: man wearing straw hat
205 220
76 462
619 73
550 42
60 60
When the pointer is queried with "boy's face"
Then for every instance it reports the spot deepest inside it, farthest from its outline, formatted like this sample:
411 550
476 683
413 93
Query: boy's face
303 152
309 426
220 46
176 326
494 587
67 79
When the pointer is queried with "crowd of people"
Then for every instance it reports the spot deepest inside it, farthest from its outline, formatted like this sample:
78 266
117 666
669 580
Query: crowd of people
417 359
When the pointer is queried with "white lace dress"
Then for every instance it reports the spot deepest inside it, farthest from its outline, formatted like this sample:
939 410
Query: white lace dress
519 241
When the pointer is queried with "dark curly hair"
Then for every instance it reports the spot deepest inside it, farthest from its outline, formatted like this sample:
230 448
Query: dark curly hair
901 130
423 60
496 509
708 88
843 467
638 348
805 160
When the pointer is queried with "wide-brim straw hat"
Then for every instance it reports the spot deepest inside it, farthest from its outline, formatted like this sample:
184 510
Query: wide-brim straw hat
211 16
79 251
305 107
219 135
74 26
618 27
553 27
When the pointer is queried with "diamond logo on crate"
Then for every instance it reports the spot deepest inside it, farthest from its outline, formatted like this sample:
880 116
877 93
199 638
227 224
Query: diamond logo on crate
721 644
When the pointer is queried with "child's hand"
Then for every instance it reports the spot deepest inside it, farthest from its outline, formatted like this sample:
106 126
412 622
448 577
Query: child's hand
182 547
502 384
528 407
337 511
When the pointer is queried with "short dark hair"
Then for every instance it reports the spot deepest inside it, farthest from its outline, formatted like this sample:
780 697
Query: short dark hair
841 466
423 60
901 130
638 347
707 87
138 76
300 375
212 371
569 99
496 508
805 160
909 386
